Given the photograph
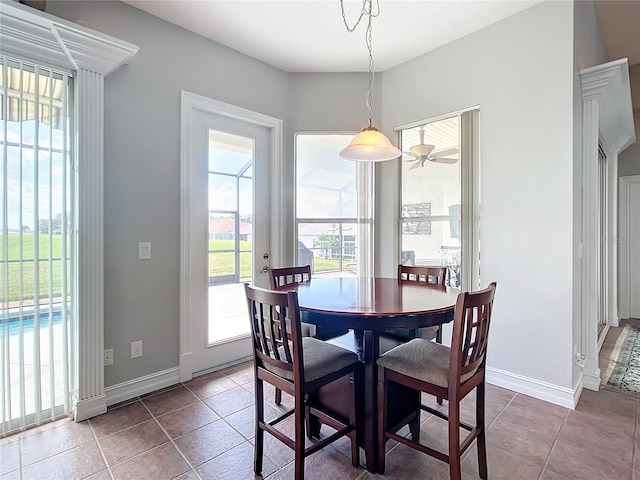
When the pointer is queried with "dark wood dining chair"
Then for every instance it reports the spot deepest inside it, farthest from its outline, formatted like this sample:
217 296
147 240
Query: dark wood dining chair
450 373
424 276
288 276
299 366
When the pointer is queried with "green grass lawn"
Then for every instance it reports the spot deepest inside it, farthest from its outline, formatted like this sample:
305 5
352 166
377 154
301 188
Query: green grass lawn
221 263
11 270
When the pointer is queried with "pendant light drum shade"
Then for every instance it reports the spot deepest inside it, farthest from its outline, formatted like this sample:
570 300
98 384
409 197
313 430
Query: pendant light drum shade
370 145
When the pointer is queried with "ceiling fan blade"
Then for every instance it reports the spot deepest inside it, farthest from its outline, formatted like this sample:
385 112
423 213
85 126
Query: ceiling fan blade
444 153
416 164
447 160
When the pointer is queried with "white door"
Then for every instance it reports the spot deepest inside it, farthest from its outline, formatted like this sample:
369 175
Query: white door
629 246
229 213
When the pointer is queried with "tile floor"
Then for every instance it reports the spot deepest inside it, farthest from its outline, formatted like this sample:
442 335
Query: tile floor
203 429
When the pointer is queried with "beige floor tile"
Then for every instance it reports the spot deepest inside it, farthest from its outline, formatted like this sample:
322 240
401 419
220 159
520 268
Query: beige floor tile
574 462
161 463
187 419
117 419
206 442
76 463
170 400
131 442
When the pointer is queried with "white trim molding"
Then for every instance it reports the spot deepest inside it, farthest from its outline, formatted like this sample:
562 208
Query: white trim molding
607 118
191 102
142 385
565 397
30 34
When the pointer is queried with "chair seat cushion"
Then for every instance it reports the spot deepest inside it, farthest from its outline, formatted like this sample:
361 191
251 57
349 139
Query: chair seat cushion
320 359
423 332
421 359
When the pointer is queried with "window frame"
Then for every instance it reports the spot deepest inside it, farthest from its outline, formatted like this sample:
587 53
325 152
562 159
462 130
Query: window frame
469 189
364 219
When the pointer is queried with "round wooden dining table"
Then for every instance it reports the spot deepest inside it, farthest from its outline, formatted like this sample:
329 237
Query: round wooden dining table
372 306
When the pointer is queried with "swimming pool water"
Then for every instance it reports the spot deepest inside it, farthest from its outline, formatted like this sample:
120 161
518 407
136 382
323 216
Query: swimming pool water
28 322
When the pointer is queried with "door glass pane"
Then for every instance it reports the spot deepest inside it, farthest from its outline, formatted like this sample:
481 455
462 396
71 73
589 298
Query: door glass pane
230 226
431 196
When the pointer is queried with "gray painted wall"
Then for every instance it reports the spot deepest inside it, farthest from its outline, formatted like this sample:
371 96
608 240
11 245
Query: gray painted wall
142 168
629 160
523 82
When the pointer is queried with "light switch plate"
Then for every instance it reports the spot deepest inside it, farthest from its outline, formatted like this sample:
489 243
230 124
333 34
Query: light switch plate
144 250
136 349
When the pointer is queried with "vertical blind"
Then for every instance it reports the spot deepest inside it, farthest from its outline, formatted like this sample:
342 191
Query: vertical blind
36 244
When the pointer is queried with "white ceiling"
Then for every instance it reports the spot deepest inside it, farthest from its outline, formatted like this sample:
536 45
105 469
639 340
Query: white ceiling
310 36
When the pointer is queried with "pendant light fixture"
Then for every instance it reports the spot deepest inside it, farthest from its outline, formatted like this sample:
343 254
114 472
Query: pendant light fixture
370 145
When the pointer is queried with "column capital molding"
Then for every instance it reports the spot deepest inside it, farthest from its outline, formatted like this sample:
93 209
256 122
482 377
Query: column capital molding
44 38
609 85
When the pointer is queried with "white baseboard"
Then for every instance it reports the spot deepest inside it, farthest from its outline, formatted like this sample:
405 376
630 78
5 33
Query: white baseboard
577 389
615 321
83 409
592 381
548 392
139 386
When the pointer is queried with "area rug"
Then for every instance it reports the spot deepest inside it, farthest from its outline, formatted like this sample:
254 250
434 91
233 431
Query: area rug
623 371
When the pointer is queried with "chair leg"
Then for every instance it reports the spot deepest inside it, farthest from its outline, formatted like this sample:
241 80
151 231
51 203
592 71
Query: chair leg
414 427
382 419
353 417
259 432
439 340
454 440
299 418
481 440
278 396
311 421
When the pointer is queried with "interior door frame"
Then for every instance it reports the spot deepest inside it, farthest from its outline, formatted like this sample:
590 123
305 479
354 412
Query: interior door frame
191 102
624 244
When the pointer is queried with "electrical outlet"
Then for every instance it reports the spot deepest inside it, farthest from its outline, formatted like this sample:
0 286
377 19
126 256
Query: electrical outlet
136 349
108 357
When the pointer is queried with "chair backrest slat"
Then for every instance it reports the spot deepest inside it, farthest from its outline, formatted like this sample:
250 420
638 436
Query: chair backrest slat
289 275
275 327
472 319
421 275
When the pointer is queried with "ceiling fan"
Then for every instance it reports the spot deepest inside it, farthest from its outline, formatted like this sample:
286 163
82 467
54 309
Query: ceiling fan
423 152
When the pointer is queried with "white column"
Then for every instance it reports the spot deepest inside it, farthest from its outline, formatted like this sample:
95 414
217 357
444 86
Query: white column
90 398
607 117
590 370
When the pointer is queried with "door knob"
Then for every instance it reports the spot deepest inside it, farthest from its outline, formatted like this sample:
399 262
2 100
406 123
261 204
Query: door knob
265 269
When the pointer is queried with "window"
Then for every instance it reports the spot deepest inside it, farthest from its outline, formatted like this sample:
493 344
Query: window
36 243
334 205
438 223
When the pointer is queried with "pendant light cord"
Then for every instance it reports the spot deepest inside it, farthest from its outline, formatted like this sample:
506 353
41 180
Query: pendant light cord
367 9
